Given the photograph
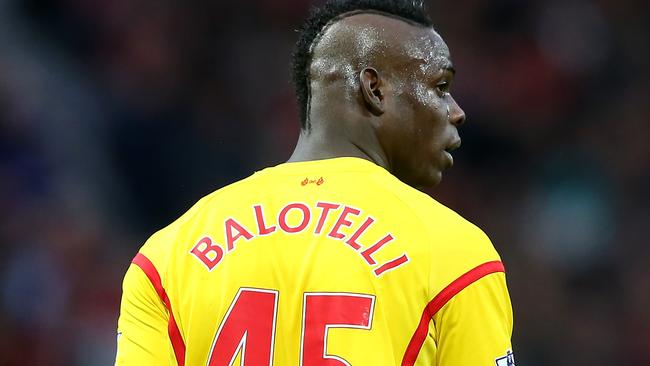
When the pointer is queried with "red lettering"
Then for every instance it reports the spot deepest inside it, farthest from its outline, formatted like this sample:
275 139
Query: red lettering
324 311
261 226
306 216
367 254
342 221
247 329
391 264
241 231
323 216
353 240
203 254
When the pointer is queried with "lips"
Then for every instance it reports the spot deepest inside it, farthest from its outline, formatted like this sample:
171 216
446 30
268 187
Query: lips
451 147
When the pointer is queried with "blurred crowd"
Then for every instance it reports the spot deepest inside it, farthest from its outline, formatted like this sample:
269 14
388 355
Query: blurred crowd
116 116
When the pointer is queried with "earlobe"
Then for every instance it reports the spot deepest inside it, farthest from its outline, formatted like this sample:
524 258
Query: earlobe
371 86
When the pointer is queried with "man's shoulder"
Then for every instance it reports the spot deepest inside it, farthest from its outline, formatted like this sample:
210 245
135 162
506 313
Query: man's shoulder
446 227
434 215
454 245
159 245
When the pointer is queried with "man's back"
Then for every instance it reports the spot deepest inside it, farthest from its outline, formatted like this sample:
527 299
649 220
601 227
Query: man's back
329 262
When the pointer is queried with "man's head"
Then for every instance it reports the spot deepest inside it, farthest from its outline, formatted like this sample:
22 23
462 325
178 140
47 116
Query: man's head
376 73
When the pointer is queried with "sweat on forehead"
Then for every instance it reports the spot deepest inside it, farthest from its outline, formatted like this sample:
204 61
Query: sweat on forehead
377 40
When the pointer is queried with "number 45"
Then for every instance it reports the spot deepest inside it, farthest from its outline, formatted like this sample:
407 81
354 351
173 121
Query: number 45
249 326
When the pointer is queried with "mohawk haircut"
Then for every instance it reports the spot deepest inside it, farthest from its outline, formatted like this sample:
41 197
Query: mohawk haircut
320 17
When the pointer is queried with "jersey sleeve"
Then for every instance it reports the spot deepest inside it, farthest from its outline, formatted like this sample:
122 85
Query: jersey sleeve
142 325
475 326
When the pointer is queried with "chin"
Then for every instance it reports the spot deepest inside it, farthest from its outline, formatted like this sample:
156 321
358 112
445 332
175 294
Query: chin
435 179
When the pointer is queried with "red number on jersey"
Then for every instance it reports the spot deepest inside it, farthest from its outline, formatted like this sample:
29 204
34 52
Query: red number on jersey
249 326
322 311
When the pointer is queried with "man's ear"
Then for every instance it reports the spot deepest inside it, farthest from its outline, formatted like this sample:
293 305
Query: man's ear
371 86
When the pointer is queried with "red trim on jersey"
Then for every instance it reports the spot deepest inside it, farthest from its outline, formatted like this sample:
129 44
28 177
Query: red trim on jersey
172 329
413 349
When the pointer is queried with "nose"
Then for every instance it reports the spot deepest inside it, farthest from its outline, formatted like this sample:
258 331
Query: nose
456 114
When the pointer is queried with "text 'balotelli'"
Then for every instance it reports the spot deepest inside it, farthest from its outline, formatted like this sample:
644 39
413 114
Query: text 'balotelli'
295 218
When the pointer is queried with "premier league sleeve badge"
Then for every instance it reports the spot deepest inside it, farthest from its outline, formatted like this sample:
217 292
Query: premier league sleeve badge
507 360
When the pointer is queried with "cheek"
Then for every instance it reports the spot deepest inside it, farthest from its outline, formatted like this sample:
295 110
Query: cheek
424 96
430 111
419 114
427 99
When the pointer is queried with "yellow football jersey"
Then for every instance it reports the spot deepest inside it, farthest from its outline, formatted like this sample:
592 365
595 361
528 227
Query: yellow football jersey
322 263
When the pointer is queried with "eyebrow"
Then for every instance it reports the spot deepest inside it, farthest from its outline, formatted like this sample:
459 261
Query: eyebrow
449 68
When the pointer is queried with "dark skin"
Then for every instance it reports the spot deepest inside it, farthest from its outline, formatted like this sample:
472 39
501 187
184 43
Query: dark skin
380 92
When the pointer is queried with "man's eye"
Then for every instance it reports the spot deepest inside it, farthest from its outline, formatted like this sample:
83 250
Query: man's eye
442 88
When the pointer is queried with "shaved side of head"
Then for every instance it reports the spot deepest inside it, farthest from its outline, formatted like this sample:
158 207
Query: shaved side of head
376 84
323 17
358 41
397 48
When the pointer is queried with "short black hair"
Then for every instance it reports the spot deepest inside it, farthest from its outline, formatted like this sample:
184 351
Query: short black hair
329 12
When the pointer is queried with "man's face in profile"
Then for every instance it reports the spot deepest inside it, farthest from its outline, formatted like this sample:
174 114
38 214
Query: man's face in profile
419 128
389 79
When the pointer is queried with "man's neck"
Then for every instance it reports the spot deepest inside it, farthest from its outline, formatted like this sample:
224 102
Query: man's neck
318 145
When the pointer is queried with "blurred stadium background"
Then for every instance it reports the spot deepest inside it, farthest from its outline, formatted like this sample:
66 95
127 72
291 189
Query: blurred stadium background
115 116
